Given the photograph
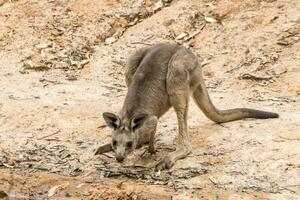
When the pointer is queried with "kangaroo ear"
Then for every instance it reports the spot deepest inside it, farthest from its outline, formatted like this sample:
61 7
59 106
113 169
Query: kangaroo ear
138 121
112 120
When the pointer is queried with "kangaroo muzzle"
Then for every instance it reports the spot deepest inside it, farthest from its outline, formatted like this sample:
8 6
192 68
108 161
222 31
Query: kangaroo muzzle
120 158
120 153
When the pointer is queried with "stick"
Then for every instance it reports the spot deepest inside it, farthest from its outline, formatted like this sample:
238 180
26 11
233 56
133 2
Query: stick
255 77
49 135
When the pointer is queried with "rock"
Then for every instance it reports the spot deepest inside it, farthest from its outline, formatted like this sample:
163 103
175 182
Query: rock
3 160
61 65
72 77
3 195
138 3
277 70
2 2
158 5
43 45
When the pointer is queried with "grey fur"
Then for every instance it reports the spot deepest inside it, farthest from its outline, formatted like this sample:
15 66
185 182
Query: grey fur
158 78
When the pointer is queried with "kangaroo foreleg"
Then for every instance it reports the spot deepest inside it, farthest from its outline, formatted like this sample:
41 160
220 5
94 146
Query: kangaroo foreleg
103 149
147 133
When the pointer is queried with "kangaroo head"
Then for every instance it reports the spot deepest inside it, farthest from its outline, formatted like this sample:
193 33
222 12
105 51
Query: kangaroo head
125 134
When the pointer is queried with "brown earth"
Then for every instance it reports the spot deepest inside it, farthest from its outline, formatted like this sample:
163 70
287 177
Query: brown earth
62 65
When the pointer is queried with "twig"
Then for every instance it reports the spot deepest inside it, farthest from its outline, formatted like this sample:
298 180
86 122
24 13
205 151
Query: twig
235 68
255 77
46 136
49 81
102 126
122 64
195 33
148 44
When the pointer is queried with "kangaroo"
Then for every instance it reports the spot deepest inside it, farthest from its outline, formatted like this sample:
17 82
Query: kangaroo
158 78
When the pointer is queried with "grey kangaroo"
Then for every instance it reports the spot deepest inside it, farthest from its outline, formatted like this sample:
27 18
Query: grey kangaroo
158 78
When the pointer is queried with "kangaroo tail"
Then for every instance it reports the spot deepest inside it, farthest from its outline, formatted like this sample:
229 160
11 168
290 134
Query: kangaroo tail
204 102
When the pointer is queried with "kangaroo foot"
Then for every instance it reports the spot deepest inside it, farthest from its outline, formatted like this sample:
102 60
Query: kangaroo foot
168 161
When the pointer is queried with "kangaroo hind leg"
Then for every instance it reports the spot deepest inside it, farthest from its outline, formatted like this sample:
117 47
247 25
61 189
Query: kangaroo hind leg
178 91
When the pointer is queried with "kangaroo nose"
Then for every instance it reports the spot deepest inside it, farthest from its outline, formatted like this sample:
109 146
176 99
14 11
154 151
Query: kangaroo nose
120 158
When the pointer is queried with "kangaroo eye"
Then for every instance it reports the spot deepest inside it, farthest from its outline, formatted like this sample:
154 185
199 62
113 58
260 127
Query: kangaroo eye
114 143
129 144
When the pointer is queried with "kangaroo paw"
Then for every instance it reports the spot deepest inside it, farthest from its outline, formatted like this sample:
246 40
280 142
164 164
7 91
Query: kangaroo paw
168 161
151 149
165 163
103 149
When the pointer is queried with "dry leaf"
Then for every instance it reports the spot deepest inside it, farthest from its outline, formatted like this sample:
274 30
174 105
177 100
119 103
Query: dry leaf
110 40
181 36
213 180
52 190
210 5
210 19
43 45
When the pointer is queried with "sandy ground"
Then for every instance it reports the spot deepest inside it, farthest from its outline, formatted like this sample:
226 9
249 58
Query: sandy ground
62 65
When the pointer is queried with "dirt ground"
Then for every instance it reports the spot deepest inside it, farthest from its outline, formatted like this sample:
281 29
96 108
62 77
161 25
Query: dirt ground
62 65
